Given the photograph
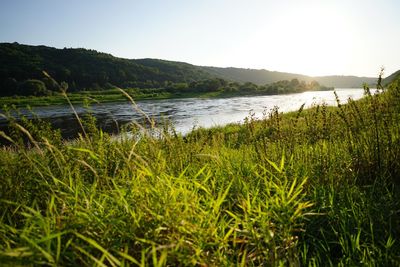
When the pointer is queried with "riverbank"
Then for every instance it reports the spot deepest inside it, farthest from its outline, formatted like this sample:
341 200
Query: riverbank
116 96
183 113
313 187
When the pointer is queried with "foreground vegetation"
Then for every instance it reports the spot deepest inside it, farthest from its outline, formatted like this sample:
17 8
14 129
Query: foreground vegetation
316 187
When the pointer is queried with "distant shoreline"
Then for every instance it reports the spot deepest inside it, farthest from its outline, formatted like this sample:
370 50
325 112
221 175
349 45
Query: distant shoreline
114 95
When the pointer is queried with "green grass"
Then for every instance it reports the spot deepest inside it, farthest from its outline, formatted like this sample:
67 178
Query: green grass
316 187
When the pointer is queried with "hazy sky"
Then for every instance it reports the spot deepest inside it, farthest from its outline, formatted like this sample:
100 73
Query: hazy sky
349 37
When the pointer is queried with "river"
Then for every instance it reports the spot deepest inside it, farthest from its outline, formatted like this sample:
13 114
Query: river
187 113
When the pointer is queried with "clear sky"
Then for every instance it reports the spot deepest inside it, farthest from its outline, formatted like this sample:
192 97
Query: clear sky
325 37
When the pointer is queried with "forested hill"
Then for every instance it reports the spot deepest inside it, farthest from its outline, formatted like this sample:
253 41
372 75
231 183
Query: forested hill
261 77
83 69
392 77
258 77
88 69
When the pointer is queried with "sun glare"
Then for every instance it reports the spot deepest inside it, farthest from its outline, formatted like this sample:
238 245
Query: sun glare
311 39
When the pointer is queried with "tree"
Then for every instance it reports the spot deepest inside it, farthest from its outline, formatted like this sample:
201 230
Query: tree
294 83
9 87
314 85
50 84
33 87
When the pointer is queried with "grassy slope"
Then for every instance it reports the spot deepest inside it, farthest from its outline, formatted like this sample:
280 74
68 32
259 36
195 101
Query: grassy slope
319 186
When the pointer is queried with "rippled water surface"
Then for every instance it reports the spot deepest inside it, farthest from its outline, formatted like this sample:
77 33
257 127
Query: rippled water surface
190 112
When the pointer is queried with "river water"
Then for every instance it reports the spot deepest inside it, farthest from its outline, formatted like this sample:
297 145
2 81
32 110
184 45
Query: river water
187 113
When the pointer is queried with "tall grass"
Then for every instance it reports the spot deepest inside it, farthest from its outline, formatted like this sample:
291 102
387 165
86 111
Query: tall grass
316 187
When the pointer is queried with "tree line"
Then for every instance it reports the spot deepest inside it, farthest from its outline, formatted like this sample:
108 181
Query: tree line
22 66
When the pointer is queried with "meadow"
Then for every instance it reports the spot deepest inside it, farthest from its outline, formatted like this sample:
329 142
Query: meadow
316 187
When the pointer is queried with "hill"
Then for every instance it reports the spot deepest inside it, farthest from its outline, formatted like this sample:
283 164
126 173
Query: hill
87 69
345 81
261 77
394 76
21 69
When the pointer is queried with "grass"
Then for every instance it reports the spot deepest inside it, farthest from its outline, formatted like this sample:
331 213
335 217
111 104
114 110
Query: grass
317 187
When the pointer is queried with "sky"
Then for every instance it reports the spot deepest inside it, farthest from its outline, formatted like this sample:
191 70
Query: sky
325 37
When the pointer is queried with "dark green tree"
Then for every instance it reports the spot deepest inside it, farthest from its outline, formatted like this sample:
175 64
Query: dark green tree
33 87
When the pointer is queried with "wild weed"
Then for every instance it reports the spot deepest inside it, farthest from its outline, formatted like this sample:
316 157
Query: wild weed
305 188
